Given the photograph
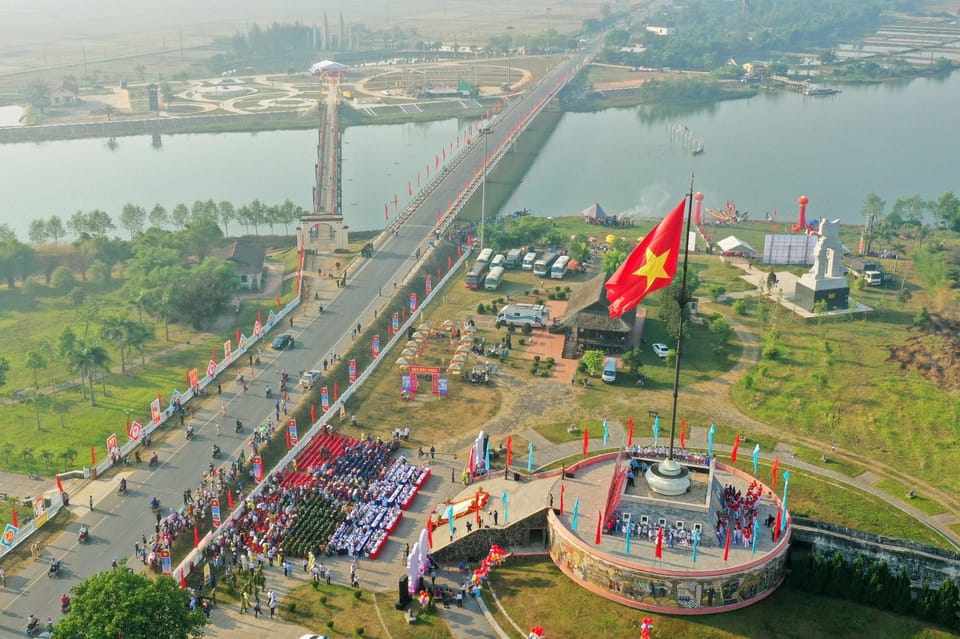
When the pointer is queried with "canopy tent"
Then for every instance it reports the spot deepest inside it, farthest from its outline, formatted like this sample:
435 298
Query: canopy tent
732 243
593 212
326 65
460 357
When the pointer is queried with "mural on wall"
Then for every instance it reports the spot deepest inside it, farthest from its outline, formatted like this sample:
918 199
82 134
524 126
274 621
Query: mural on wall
648 589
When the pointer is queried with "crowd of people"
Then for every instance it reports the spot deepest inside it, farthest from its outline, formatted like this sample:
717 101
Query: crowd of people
738 513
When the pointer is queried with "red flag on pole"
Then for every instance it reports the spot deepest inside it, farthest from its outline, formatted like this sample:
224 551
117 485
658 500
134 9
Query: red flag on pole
386 211
733 453
471 463
599 527
650 266
449 263
396 201
659 550
439 215
93 456
336 391
409 189
430 530
586 441
509 450
683 433
444 154
313 413
563 488
196 536
776 525
230 499
183 580
59 484
278 302
436 161
287 433
726 545
476 504
630 431
237 340
776 467
16 521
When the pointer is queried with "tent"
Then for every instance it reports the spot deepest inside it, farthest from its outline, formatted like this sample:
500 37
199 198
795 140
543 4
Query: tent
733 244
326 65
593 212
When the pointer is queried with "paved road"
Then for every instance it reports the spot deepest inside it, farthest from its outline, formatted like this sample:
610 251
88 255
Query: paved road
117 522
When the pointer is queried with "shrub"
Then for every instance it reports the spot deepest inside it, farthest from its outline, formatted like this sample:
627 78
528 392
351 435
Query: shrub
534 369
551 295
62 278
550 361
521 341
330 624
293 608
536 358
527 329
357 594
358 631
481 309
740 307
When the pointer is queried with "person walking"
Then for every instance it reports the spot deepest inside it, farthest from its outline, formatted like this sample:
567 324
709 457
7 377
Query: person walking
91 502
244 602
218 429
257 610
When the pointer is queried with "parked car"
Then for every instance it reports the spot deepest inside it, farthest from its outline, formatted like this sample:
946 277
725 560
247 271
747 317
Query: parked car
662 350
309 378
281 342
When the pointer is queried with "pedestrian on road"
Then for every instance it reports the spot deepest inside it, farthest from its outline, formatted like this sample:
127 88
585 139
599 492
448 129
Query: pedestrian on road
257 610
218 429
219 389
223 407
91 502
244 602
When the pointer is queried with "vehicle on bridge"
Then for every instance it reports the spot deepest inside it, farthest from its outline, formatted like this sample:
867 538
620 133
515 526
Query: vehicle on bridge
309 378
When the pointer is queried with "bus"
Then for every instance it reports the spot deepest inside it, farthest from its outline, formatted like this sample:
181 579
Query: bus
475 275
485 255
559 269
528 261
494 277
541 268
514 258
498 260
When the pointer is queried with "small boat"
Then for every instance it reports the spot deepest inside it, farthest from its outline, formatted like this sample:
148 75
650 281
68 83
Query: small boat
698 149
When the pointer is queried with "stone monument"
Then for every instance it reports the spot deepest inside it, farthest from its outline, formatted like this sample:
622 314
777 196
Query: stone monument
825 280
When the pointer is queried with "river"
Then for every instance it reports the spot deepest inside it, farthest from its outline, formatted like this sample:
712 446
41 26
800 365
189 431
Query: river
895 139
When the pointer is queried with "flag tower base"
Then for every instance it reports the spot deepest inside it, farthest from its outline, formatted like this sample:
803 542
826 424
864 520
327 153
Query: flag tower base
668 478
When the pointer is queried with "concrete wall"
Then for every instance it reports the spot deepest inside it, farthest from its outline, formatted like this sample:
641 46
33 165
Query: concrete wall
475 545
924 564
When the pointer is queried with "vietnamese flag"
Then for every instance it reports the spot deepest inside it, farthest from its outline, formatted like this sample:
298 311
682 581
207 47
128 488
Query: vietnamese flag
650 266
93 456
563 489
59 487
683 433
733 453
509 450
287 433
776 467
196 536
386 212
313 413
726 545
776 525
336 391
230 499
659 551
476 503
436 161
599 526
586 441
630 431
183 581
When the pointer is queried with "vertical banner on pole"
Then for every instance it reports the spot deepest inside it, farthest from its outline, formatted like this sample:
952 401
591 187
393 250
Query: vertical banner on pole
292 429
257 468
429 283
375 349
166 563
215 512
324 399
352 366
413 302
395 322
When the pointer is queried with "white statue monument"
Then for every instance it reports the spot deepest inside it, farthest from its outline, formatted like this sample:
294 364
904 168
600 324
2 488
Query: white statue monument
825 280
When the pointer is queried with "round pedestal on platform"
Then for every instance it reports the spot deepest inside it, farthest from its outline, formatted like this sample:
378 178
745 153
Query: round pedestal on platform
668 478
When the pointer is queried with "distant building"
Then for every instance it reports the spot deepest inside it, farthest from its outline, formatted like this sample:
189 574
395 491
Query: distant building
590 326
756 69
66 92
633 48
249 258
661 31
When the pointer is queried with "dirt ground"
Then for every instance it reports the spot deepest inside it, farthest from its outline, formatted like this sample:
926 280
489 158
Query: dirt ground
932 351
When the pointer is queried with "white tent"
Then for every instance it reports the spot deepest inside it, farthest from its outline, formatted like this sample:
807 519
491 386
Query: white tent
735 244
326 65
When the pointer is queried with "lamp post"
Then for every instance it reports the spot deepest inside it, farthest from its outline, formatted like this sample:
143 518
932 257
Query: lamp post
485 132
548 30
509 41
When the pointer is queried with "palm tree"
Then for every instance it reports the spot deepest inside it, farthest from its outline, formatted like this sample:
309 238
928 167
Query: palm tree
138 334
114 330
27 456
47 456
35 361
7 451
88 359
67 455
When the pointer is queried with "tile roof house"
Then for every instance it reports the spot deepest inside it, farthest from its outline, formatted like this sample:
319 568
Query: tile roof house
249 258
591 327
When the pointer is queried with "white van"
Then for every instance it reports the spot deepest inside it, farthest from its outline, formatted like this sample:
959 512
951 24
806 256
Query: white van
536 315
609 374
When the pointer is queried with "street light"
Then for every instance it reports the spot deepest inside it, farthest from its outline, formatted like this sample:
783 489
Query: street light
485 131
509 41
548 30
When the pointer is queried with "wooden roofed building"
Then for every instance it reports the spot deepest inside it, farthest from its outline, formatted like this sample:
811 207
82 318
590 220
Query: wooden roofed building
249 258
590 326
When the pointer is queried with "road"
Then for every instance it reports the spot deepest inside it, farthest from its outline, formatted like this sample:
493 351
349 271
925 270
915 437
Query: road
117 522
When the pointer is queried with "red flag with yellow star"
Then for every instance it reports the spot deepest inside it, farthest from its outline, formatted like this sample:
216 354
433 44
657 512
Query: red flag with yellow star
650 266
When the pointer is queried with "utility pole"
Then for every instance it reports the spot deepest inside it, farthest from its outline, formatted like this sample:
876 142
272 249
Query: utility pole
485 132
548 30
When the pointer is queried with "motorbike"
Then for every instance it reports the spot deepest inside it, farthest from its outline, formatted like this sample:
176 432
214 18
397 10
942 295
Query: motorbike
84 535
238 427
122 490
154 504
54 569
216 451
33 626
269 392
65 604
154 459
189 432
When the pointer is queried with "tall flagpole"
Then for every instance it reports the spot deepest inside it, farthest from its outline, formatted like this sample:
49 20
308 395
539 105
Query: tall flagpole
682 300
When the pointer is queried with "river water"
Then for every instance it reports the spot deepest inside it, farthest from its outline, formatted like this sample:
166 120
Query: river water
893 139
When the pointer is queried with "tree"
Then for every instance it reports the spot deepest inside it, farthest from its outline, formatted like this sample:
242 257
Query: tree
593 361
180 215
99 223
122 603
16 261
37 232
55 229
4 369
141 71
87 359
35 361
632 359
873 212
227 214
158 217
132 218
612 260
946 209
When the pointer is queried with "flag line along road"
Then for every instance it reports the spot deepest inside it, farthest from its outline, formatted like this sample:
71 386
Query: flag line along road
116 523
